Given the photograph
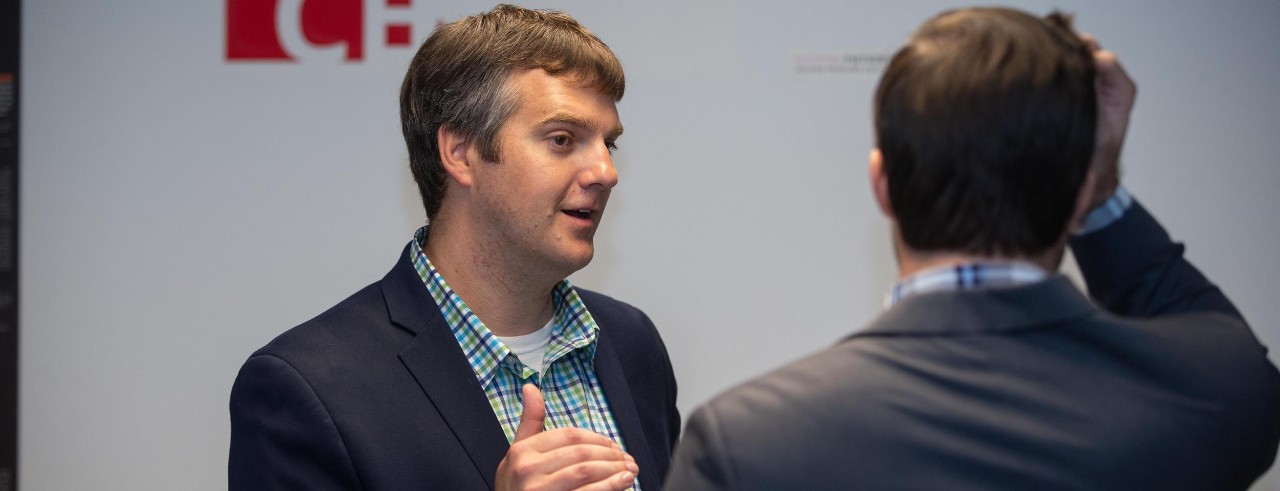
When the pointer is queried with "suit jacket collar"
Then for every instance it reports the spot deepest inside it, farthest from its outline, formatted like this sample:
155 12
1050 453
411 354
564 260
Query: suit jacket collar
441 369
992 310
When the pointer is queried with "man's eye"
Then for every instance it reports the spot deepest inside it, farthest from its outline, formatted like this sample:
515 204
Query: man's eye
561 140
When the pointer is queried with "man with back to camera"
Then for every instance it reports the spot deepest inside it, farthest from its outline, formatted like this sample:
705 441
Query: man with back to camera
988 371
444 374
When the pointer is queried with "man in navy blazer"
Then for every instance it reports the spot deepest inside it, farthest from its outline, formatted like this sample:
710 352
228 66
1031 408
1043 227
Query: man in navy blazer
474 364
997 133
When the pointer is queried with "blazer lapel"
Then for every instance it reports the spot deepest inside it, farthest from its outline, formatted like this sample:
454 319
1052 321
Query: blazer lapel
438 365
614 383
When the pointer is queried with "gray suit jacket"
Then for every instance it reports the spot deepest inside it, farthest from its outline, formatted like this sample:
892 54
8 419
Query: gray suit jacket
1022 388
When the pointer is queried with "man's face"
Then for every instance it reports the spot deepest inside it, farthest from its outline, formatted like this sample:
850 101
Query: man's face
539 206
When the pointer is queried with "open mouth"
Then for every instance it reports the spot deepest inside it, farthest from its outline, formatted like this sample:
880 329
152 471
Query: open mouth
583 213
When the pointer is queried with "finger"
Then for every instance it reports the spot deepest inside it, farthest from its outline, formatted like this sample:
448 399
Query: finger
1090 41
1105 62
1113 82
550 440
564 457
616 482
533 418
1107 65
526 460
602 475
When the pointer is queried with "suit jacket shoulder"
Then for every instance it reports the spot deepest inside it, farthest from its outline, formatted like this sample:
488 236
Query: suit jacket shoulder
1078 400
1021 388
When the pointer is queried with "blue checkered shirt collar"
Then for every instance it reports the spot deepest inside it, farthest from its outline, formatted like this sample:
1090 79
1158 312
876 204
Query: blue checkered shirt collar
572 329
969 276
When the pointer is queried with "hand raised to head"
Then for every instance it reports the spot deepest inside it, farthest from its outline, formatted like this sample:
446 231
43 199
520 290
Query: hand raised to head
560 459
1116 93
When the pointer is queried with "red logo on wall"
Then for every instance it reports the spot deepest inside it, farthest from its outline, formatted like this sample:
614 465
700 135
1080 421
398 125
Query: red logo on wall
258 30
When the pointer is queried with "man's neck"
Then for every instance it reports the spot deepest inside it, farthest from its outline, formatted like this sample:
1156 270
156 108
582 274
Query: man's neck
509 302
912 262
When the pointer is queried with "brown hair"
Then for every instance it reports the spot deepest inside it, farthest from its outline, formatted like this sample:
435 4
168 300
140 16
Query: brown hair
986 122
458 79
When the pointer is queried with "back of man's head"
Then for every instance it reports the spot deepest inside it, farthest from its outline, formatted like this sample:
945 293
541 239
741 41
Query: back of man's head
458 79
985 121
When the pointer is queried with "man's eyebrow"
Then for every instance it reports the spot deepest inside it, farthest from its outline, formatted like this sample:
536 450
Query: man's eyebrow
569 119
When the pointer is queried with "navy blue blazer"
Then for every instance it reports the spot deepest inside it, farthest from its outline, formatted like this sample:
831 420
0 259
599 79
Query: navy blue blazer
375 394
1030 387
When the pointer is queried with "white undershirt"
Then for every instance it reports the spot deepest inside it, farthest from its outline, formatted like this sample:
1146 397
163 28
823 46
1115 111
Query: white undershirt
530 348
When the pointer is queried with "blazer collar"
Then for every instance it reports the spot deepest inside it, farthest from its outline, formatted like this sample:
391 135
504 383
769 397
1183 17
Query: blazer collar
613 382
441 370
991 310
444 375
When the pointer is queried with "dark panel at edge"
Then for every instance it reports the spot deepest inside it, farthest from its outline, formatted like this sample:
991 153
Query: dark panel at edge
10 37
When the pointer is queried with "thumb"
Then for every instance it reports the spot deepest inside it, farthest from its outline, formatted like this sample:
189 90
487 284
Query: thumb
534 417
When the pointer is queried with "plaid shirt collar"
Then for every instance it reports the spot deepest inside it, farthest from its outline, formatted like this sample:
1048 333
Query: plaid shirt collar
573 329
969 276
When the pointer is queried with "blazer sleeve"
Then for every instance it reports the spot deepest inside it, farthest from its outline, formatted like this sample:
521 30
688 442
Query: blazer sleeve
1132 268
701 461
282 436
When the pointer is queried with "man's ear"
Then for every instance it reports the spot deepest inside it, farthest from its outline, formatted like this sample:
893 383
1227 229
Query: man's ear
879 182
455 155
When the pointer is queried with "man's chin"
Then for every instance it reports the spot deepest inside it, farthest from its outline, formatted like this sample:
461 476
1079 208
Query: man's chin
583 260
577 258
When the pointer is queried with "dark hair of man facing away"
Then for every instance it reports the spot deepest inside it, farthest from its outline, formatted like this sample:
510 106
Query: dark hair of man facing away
458 80
986 121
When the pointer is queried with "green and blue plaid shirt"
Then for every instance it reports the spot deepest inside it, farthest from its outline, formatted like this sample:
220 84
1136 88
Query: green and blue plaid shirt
568 382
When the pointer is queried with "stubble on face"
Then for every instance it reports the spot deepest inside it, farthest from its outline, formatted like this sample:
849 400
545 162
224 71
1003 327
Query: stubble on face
541 202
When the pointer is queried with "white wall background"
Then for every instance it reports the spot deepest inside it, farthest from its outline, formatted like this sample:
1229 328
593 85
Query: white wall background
179 211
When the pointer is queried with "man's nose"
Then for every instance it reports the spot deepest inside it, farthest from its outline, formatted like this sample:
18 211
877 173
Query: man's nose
600 170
